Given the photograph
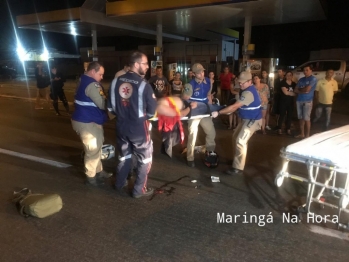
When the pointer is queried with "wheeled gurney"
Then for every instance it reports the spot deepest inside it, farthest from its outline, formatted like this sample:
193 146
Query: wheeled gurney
328 152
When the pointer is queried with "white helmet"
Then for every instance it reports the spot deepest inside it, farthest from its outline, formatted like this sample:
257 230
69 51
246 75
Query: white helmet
108 151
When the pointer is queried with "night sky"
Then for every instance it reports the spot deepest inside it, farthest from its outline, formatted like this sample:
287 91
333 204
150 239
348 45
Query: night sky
33 38
290 42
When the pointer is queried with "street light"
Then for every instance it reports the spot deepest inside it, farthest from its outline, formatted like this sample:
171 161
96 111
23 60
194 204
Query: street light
45 55
20 52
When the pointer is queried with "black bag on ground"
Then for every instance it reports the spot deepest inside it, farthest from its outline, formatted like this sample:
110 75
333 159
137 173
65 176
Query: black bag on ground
37 205
211 159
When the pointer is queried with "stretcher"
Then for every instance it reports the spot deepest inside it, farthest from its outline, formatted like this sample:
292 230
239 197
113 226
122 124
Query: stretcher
327 152
201 111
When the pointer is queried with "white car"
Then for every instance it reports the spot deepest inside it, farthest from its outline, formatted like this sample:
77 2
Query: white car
341 71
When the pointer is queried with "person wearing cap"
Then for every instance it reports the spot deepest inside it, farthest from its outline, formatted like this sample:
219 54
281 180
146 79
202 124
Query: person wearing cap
199 91
250 112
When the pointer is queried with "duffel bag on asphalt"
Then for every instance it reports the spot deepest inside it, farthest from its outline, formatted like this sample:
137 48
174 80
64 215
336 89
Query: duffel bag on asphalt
37 205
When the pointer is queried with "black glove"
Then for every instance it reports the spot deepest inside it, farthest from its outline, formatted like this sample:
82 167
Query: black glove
186 105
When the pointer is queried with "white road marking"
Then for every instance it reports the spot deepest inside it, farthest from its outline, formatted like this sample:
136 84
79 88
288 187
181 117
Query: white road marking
329 232
34 158
26 98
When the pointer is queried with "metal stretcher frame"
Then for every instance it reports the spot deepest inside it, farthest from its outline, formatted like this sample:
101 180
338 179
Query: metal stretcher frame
183 117
313 165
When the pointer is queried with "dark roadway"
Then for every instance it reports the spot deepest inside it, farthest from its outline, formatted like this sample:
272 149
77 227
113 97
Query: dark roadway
179 225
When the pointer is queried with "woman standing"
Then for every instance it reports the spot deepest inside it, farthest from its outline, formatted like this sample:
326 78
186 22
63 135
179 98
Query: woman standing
266 80
214 88
286 102
263 91
226 79
176 85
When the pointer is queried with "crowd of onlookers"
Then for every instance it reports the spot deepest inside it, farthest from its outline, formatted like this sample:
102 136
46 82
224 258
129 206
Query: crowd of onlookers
277 95
226 90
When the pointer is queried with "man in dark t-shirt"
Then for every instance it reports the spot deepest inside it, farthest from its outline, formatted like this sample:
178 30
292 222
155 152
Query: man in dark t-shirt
159 83
57 83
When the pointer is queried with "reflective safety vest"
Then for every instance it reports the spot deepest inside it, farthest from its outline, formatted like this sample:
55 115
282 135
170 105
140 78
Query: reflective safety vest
86 111
200 91
253 110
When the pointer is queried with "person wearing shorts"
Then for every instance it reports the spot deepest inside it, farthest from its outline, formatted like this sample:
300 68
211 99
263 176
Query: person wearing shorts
305 89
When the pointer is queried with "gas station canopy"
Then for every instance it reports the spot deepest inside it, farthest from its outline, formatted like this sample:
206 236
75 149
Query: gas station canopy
181 20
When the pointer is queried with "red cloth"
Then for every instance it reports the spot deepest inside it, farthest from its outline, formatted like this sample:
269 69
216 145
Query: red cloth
166 123
226 80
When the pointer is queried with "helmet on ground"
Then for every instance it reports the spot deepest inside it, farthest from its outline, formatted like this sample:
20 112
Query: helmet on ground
211 159
108 151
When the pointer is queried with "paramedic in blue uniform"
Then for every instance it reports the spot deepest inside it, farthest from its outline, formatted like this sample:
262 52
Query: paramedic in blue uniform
88 119
133 102
250 111
201 92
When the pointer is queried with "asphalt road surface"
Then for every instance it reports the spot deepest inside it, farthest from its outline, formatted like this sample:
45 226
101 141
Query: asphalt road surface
179 224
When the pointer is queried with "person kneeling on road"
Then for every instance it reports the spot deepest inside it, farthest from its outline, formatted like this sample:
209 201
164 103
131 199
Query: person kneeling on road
250 111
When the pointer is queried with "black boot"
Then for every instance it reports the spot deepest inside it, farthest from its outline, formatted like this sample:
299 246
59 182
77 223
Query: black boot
104 174
94 181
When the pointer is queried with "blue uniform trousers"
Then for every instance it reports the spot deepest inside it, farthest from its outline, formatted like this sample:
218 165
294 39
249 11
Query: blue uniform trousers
141 146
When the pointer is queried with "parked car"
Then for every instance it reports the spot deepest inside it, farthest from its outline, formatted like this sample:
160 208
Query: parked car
7 72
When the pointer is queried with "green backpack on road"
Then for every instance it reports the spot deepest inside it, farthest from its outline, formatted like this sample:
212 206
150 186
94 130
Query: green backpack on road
37 205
